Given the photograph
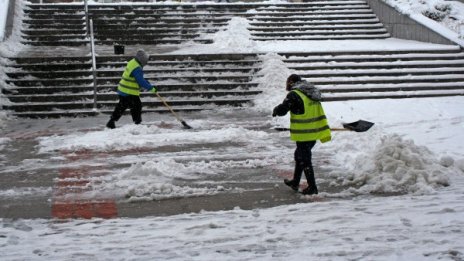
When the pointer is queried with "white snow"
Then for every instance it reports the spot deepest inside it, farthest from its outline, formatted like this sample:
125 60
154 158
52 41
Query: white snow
396 228
442 16
3 16
402 181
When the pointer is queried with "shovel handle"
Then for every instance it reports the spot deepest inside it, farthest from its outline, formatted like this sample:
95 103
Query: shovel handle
340 129
332 129
169 107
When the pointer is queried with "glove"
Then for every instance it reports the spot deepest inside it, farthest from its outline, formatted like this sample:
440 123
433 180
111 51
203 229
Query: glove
153 90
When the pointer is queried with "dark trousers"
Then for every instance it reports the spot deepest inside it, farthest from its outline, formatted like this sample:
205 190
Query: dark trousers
133 103
303 162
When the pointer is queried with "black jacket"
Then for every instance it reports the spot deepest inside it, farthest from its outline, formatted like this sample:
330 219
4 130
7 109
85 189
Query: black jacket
293 102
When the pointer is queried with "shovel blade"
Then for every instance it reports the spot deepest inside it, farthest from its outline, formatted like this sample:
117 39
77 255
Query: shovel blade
186 126
358 126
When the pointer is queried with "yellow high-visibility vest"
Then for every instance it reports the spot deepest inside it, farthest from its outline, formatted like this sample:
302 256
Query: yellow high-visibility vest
128 84
312 124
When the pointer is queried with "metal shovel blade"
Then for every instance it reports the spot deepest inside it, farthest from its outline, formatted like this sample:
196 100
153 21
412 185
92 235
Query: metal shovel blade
358 126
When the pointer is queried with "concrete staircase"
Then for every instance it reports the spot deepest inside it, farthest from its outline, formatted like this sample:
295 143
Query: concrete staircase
45 86
64 25
190 82
382 74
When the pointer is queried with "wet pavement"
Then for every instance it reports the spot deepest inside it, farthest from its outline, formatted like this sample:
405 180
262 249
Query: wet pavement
37 184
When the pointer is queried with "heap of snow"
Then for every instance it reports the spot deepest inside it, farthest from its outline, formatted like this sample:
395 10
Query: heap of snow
272 79
143 136
393 165
235 38
149 181
12 46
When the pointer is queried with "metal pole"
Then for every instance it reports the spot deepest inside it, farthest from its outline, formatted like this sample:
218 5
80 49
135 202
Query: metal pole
94 66
86 9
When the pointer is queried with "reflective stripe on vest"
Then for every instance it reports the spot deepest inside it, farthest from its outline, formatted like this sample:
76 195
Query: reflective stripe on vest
128 84
312 124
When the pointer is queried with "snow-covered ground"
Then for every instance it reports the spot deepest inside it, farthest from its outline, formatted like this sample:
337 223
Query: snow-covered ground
401 198
443 16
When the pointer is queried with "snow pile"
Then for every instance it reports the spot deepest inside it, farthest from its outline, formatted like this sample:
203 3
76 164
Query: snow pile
136 136
150 181
235 38
3 16
393 165
12 46
272 79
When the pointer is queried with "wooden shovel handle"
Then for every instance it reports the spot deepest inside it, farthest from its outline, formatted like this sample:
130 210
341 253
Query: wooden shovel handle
339 129
169 107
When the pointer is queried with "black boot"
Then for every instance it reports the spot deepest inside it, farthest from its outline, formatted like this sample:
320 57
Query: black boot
310 191
111 124
312 187
295 182
291 184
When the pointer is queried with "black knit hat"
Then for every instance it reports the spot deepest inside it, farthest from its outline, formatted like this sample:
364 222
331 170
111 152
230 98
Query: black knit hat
291 80
294 78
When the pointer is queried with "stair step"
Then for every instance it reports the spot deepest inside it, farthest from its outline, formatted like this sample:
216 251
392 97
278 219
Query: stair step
324 37
91 112
382 72
41 98
386 80
88 104
392 95
391 87
112 88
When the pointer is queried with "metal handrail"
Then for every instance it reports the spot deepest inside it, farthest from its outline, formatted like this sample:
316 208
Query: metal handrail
94 66
86 10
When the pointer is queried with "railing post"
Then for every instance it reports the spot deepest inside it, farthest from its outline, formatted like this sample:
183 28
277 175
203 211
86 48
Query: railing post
86 9
94 66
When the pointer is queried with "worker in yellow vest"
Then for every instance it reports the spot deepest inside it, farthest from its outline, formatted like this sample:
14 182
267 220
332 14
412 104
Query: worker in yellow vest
129 86
308 124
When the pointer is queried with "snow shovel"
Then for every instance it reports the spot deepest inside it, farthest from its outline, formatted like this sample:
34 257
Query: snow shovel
186 126
357 126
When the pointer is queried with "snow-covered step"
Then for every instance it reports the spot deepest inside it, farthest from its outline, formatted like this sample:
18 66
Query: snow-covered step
328 17
112 96
90 112
87 104
334 22
303 28
375 65
337 32
320 37
389 56
103 80
110 88
51 22
204 81
392 87
391 95
383 72
112 21
388 79
181 71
